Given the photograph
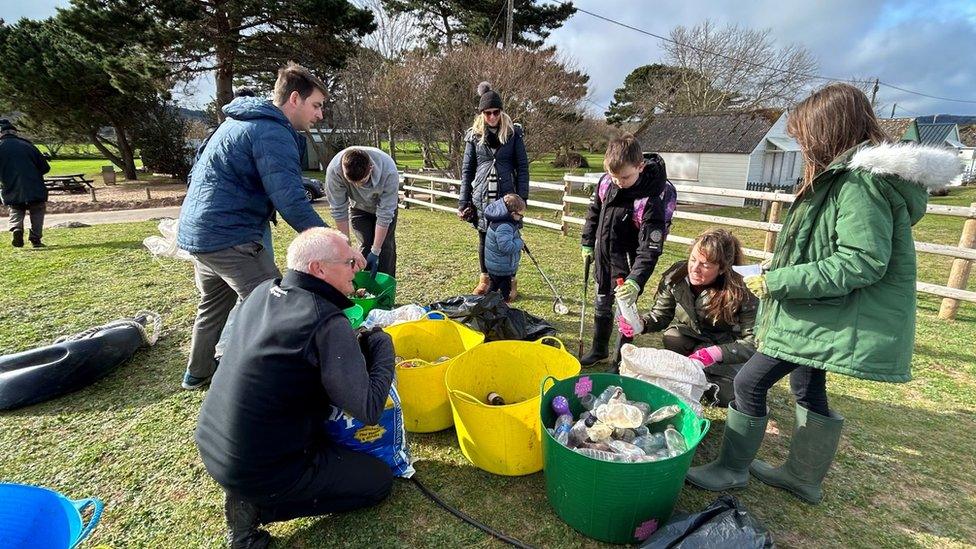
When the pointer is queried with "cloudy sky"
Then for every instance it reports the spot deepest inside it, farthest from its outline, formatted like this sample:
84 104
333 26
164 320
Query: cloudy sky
926 46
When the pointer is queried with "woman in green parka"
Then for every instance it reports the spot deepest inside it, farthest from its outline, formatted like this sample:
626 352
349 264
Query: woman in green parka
839 295
705 310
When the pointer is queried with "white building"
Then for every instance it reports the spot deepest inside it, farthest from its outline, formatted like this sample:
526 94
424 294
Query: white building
731 150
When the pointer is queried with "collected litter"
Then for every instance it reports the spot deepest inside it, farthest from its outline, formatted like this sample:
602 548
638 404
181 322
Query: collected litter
668 370
383 318
612 428
495 399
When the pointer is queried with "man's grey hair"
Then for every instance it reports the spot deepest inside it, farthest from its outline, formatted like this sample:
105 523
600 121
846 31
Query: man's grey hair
315 244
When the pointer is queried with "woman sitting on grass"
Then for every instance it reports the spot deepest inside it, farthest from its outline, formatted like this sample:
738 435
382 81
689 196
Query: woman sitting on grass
705 310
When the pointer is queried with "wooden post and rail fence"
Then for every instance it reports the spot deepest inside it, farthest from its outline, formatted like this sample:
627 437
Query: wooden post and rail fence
952 293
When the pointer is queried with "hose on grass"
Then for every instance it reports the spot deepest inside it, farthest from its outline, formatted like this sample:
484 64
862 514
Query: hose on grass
467 518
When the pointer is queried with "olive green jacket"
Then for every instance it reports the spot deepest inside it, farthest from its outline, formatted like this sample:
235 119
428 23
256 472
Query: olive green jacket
842 280
676 306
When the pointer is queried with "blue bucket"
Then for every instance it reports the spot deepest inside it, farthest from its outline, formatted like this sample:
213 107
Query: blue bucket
38 518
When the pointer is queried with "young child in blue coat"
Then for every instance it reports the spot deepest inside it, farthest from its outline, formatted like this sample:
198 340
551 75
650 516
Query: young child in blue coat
503 242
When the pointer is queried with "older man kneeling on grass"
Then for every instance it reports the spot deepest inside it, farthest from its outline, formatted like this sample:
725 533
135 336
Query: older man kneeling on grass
292 354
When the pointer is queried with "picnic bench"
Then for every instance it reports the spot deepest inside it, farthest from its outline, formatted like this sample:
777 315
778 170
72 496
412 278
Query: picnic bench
69 183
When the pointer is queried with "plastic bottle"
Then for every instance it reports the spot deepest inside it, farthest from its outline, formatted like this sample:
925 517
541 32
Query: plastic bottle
606 395
598 431
600 454
641 431
495 399
629 312
560 405
626 435
561 430
651 443
619 415
626 448
644 407
661 414
675 441
577 434
587 401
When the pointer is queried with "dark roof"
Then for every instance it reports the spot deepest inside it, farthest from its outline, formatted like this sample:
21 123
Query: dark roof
895 127
934 134
708 133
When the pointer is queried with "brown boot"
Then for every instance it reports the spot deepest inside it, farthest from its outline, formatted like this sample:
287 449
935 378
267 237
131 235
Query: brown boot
513 295
482 287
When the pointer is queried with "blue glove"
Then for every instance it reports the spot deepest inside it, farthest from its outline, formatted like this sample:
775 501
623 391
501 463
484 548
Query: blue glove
372 263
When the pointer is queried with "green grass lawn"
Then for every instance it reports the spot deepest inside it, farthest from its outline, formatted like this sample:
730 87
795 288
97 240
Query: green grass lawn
88 166
904 476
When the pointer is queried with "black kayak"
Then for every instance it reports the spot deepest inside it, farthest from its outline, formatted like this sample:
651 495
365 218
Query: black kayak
47 372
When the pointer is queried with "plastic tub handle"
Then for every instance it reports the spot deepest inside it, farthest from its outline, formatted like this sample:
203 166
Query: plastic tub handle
703 427
80 505
542 384
552 342
465 396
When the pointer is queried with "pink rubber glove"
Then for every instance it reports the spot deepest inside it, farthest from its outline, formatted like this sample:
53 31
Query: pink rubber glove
707 355
625 328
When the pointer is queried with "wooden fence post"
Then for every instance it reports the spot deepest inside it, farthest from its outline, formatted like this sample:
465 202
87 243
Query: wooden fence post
959 274
406 193
567 190
93 195
774 212
433 199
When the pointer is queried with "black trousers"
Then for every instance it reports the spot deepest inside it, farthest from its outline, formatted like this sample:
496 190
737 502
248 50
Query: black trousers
364 227
337 480
500 283
761 372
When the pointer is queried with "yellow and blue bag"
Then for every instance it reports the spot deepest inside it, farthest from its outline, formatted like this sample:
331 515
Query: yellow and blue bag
387 440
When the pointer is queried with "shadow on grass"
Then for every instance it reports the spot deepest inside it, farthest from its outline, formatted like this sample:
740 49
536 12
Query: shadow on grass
110 245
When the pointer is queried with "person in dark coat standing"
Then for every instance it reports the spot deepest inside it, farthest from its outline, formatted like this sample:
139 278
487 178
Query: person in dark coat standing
291 355
495 164
22 169
626 225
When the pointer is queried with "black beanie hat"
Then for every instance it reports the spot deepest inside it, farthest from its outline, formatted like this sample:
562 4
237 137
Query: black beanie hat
489 98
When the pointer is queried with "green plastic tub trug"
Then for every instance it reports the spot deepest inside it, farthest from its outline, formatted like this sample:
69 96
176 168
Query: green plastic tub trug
383 288
611 501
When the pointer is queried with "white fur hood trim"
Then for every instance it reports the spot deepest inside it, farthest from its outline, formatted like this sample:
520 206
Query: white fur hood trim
930 167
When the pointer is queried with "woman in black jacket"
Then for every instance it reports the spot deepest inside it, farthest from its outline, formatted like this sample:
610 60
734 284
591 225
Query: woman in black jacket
495 164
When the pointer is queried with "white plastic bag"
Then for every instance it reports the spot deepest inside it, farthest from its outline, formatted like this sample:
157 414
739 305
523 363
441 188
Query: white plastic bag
668 370
165 246
382 319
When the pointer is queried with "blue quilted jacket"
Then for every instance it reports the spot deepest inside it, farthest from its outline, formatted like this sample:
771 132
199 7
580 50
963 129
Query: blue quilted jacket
248 168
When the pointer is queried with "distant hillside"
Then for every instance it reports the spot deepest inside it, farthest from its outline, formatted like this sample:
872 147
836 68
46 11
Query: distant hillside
194 114
962 120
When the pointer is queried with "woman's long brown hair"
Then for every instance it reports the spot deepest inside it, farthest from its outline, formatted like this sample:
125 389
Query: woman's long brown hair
829 122
728 292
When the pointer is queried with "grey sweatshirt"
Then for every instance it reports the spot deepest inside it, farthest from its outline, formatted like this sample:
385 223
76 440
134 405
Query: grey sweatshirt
378 196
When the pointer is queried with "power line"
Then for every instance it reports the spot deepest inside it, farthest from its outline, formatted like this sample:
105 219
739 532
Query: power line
760 65
497 17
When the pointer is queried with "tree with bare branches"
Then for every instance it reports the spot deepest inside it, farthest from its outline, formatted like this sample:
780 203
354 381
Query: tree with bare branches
742 68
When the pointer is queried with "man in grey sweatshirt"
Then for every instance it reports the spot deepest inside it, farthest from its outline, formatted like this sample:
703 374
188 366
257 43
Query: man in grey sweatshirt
362 185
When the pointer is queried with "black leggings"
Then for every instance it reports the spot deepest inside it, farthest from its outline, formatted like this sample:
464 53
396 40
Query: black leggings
761 372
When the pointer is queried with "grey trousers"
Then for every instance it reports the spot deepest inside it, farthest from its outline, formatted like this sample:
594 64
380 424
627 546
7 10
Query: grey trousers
19 211
222 278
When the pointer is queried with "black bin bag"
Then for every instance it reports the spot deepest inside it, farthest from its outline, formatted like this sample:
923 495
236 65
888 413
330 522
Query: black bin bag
724 523
490 315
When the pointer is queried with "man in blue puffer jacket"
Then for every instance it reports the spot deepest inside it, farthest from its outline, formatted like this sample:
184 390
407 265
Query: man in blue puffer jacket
503 242
248 169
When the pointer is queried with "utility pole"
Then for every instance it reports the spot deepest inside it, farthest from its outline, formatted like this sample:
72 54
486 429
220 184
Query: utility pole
508 24
893 110
874 92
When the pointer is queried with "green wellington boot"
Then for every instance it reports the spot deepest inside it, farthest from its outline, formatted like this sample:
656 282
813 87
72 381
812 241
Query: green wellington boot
740 442
812 450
